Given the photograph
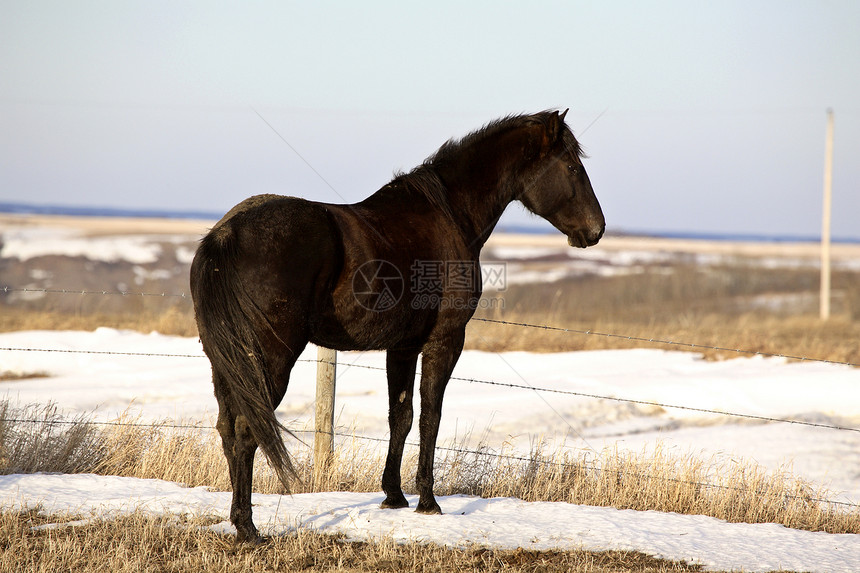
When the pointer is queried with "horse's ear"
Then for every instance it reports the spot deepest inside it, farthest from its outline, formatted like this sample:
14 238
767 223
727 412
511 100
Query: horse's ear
564 113
548 132
554 127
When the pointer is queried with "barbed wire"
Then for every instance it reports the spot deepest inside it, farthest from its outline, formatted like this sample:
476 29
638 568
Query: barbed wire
7 289
666 342
664 405
51 422
591 466
533 459
586 332
102 352
695 346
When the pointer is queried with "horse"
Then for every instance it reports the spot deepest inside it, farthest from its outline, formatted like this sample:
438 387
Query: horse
277 272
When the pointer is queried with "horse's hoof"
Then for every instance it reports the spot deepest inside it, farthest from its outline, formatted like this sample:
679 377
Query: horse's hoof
250 538
255 541
394 503
428 508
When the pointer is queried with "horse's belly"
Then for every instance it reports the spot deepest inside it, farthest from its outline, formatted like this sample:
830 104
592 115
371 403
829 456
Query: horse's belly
370 330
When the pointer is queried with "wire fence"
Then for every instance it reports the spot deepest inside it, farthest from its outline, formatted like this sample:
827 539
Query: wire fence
483 452
450 449
695 346
546 327
674 343
84 292
765 419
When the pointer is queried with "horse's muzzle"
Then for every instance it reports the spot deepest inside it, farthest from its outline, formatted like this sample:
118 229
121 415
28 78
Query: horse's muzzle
586 238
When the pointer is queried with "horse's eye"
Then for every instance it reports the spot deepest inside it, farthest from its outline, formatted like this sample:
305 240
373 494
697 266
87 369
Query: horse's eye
573 168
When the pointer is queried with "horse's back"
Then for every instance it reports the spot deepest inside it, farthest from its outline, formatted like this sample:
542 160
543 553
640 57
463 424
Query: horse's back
303 264
266 216
278 245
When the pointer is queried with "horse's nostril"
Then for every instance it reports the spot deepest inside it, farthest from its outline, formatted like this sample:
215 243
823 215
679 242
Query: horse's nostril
593 236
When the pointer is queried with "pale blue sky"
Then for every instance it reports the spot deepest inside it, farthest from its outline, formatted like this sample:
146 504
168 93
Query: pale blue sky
712 120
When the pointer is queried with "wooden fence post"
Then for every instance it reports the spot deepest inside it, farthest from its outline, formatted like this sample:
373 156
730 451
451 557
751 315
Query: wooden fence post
324 417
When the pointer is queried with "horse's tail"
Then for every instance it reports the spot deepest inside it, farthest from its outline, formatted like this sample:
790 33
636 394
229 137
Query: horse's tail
228 320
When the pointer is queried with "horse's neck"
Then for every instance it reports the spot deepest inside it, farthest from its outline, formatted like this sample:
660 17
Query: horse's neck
478 195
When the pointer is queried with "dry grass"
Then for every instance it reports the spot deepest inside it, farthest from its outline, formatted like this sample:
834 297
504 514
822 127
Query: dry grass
8 376
798 336
32 543
743 307
32 440
42 543
737 492
175 320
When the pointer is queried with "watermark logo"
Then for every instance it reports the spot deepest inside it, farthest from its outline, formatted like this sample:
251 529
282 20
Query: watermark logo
429 277
377 285
494 275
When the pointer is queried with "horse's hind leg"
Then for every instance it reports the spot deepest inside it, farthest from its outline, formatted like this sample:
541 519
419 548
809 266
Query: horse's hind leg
239 443
401 381
239 449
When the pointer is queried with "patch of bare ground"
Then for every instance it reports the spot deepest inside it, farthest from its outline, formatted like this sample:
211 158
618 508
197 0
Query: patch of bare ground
8 376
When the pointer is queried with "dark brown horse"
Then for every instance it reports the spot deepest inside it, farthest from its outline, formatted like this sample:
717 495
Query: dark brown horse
278 272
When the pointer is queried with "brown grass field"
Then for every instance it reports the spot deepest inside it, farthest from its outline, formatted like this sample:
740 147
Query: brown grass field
139 544
735 304
718 307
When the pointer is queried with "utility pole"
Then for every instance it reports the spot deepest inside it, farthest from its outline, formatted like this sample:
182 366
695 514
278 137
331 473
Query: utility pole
825 220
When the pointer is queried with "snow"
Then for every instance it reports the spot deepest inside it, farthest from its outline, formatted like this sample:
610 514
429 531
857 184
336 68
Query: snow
467 521
170 387
28 243
532 264
25 243
173 382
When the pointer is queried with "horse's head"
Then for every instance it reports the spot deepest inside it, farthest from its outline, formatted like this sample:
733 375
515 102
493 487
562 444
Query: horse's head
557 187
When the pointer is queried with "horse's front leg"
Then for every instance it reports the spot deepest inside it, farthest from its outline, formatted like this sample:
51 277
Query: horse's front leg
438 361
401 382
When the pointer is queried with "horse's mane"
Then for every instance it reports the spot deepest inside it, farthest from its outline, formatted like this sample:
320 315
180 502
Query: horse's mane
454 147
424 179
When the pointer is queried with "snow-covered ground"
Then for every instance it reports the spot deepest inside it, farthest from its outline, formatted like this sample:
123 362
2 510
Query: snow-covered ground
179 388
500 522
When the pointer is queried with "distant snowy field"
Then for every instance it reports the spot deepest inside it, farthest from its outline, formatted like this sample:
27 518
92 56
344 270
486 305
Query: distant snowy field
178 388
